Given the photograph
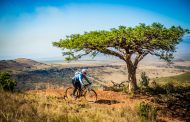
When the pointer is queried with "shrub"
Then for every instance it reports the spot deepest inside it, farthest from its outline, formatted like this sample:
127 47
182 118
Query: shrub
126 88
154 84
147 112
144 80
157 89
6 83
169 87
117 87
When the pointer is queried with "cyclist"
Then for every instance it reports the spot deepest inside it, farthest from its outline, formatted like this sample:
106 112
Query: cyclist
77 80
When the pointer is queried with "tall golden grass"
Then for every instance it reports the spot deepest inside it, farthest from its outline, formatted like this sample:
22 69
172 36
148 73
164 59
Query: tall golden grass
26 107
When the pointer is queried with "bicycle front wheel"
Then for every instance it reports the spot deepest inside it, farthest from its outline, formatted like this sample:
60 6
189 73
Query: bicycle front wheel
90 95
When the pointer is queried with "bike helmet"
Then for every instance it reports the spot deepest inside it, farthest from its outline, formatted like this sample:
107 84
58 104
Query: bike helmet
84 71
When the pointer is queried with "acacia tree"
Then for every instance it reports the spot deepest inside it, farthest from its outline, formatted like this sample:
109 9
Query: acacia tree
130 44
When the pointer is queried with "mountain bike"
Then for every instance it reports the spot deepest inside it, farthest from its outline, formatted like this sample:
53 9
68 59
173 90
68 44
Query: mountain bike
87 92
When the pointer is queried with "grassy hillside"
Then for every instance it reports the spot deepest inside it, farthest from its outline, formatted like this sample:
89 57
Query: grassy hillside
183 79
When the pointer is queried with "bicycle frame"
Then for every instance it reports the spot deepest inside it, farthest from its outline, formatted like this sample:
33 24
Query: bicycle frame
84 89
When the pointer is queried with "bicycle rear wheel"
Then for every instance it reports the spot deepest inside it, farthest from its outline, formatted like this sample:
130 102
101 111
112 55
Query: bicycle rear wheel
69 93
90 95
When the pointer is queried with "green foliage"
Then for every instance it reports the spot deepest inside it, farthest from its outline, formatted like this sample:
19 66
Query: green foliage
154 39
126 88
147 112
169 87
144 80
155 89
6 83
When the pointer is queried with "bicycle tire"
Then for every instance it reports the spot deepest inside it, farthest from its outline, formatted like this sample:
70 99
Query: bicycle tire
69 93
91 95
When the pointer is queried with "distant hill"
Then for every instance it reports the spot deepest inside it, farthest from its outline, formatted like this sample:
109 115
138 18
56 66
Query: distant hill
31 74
27 61
30 63
20 64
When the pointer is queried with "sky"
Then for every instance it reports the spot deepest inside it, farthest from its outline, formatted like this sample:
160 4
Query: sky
28 27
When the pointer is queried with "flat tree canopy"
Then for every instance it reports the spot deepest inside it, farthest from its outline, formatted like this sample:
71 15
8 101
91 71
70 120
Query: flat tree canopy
125 43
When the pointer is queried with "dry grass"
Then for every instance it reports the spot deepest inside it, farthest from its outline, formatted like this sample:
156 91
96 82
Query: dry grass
39 107
49 105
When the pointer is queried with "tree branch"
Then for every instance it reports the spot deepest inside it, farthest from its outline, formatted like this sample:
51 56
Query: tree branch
138 58
111 52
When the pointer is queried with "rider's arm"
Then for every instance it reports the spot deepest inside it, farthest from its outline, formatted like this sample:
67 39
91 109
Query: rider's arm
87 80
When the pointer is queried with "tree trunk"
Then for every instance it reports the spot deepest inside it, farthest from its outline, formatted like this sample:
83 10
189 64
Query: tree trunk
132 77
132 82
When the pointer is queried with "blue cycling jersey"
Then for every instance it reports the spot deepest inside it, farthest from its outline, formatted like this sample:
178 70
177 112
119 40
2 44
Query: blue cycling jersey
79 77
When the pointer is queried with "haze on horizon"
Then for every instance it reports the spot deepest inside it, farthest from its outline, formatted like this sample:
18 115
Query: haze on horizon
28 28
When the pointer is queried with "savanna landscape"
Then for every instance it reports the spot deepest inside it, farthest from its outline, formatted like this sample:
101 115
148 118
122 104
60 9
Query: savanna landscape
130 58
39 93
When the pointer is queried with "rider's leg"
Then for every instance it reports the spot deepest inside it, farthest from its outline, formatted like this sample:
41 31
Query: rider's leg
75 87
79 88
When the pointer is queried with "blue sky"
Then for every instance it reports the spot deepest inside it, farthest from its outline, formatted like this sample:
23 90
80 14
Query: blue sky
28 27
